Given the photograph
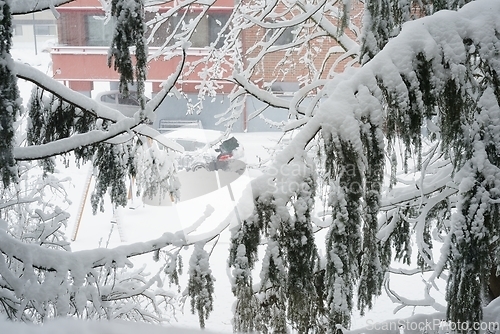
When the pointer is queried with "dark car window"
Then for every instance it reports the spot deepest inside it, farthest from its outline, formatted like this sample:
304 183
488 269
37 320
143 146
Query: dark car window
109 98
190 145
130 100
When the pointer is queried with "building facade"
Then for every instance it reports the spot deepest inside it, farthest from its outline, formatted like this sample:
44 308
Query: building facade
37 31
80 61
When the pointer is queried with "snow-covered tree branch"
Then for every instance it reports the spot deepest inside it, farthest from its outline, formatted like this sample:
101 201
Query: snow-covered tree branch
423 76
423 100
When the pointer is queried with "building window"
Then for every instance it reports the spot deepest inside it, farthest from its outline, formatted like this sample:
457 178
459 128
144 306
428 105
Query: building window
45 30
99 32
286 37
205 34
216 22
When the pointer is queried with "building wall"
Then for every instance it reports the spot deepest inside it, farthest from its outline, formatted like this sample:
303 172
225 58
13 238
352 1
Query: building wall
214 111
80 60
273 68
38 29
81 56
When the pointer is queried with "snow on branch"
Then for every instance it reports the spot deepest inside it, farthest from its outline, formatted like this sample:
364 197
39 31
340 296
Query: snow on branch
81 261
343 39
31 6
40 79
121 124
262 95
425 73
475 20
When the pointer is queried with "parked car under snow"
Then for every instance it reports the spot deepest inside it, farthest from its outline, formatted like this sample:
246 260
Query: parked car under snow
127 105
208 150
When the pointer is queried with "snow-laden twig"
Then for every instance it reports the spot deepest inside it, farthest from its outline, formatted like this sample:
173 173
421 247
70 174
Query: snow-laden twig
403 302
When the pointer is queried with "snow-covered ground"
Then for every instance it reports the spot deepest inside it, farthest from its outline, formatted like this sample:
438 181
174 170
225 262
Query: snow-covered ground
144 222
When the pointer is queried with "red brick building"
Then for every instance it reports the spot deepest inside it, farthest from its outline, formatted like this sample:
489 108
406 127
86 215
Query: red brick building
81 55
80 58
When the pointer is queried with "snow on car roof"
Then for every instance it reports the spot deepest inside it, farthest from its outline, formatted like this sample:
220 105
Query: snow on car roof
201 135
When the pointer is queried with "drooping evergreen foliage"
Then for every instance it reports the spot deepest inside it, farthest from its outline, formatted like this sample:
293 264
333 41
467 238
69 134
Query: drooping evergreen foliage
155 177
456 92
455 103
475 224
378 25
245 241
288 290
372 270
383 20
9 101
201 284
434 93
113 164
343 242
50 118
129 32
303 308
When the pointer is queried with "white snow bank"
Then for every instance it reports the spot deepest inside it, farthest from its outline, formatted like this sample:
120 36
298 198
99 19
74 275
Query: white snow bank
432 323
74 326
